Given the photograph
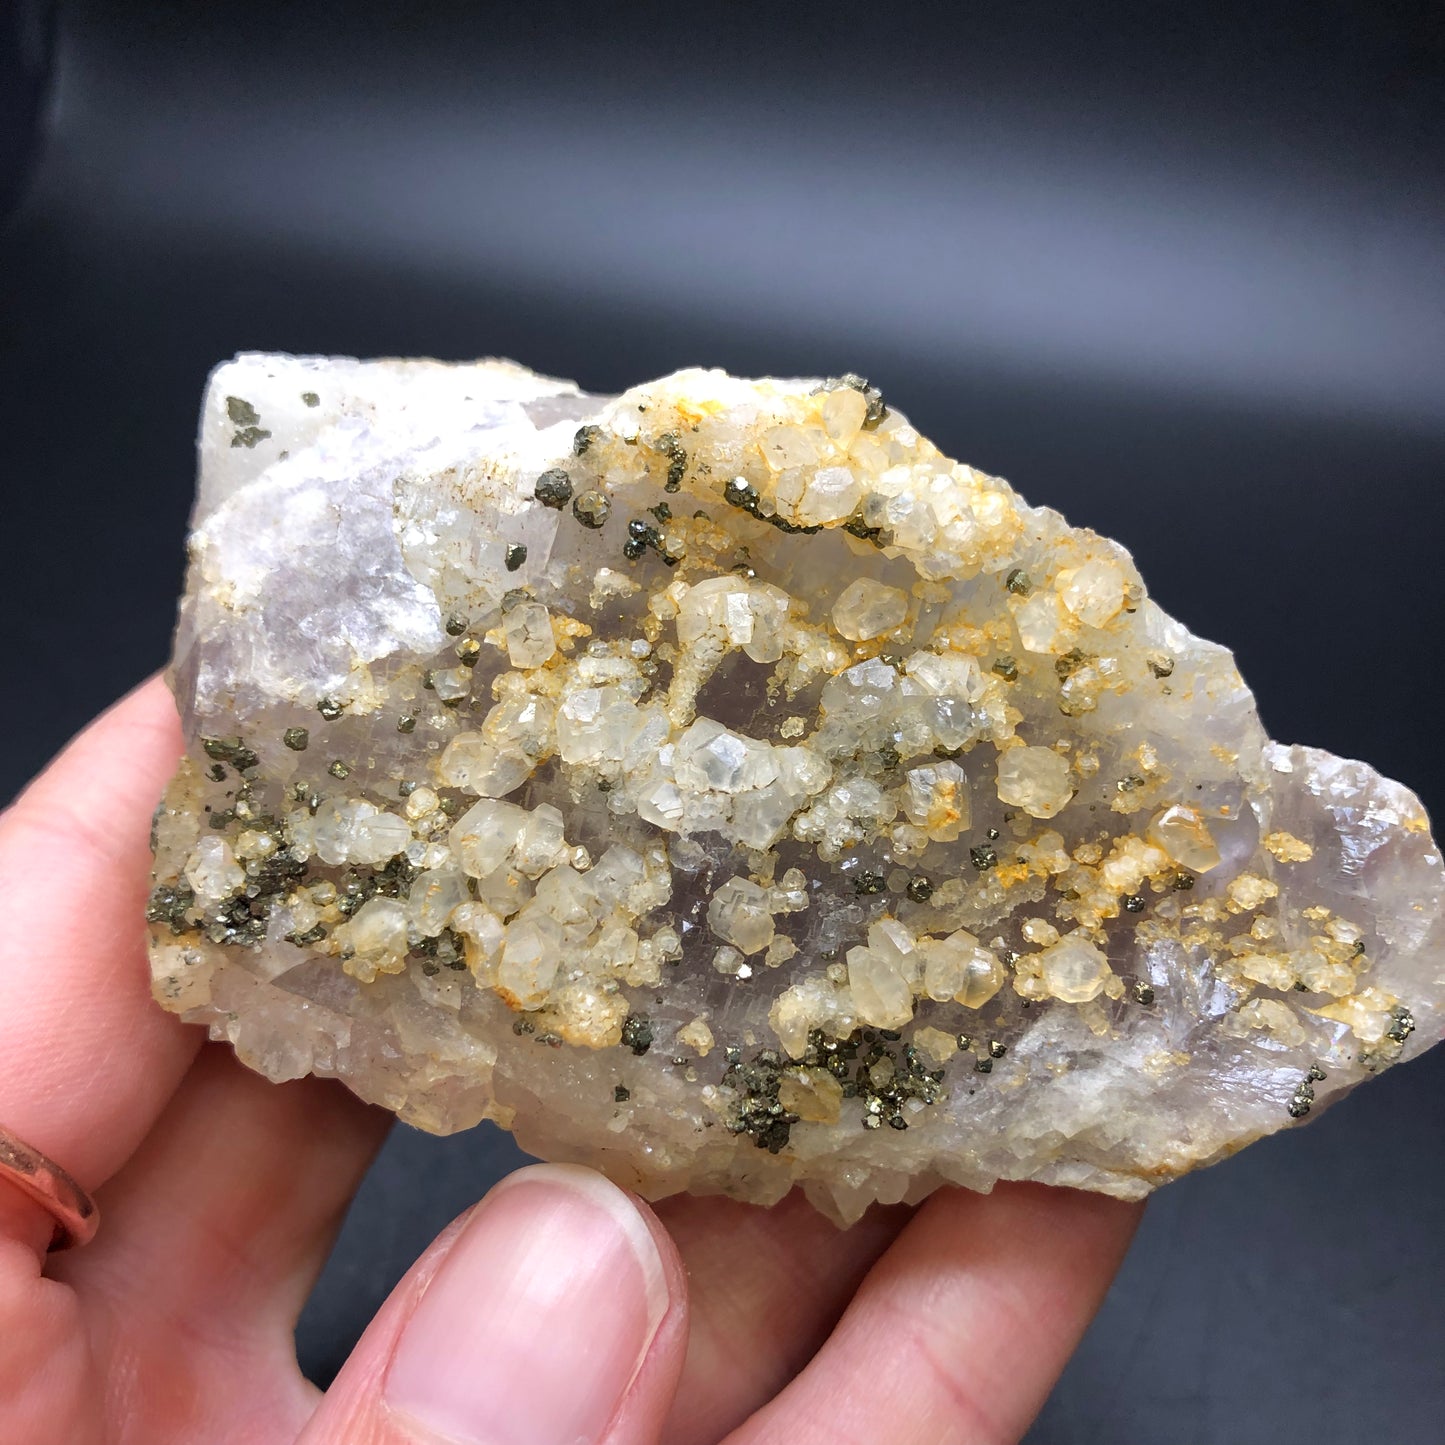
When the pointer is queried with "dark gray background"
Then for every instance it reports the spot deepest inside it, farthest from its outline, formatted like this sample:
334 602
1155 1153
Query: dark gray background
1176 270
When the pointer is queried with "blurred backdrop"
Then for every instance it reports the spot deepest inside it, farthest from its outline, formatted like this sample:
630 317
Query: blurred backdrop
1174 270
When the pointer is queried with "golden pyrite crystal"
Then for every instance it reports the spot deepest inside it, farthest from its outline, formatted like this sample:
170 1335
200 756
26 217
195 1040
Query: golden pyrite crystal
720 786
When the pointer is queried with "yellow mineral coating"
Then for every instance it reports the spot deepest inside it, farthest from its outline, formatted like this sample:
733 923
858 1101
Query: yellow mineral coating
814 1095
697 1036
937 1046
1287 848
1183 834
1367 1014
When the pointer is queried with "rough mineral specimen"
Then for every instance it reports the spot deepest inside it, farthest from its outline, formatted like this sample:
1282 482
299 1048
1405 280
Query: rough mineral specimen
720 786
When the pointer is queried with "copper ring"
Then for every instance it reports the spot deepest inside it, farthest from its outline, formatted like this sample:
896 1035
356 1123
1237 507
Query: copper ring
44 1181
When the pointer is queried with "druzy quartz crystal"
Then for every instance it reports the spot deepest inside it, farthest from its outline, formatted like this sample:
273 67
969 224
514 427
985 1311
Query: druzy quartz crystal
718 785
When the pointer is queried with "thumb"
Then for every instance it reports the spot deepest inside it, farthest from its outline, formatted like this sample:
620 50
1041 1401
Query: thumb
553 1313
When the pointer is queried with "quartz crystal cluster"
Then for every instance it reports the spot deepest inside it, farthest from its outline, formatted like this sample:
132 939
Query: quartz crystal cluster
720 786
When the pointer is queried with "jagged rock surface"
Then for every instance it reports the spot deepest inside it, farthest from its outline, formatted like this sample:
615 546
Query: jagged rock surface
720 786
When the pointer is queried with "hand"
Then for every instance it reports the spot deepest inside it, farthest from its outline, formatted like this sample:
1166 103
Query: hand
559 1310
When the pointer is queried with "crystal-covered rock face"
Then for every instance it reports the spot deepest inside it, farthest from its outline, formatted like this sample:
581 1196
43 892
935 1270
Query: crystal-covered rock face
720 786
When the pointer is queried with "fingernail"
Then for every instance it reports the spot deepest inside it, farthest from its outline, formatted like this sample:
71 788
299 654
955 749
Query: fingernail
539 1318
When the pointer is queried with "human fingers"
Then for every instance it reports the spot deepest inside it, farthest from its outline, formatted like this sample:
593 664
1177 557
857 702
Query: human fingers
86 1058
960 1330
765 1288
554 1313
214 1233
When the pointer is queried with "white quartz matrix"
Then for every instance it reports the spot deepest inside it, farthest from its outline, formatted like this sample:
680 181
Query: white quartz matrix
720 786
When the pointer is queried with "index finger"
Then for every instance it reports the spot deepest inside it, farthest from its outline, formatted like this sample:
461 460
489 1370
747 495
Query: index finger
960 1330
87 1060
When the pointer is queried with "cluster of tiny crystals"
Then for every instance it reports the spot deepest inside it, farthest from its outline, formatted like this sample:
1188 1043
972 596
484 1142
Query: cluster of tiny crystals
721 786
